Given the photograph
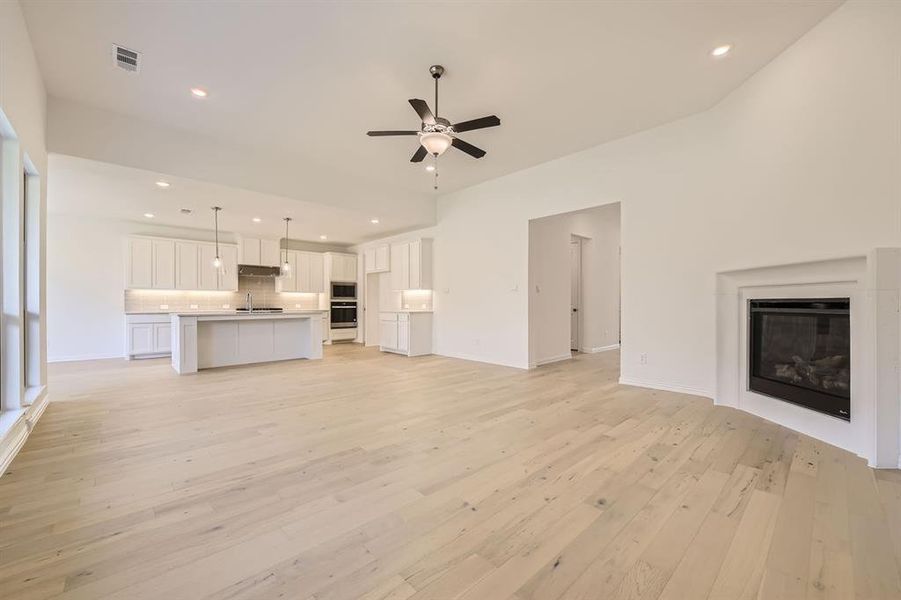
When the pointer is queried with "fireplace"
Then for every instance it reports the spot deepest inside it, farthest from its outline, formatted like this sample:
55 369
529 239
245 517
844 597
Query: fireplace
800 352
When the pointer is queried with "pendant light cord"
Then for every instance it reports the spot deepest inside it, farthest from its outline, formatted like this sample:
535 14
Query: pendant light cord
216 210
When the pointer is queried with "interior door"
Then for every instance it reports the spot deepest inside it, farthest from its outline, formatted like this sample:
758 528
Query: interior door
575 260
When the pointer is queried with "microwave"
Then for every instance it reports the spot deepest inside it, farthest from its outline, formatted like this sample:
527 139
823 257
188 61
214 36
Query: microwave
344 291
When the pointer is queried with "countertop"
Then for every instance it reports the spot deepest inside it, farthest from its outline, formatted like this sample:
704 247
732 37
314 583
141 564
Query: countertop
223 312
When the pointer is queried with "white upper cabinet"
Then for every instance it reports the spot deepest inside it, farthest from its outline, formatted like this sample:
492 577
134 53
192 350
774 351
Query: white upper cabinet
228 275
165 264
250 251
317 273
261 253
376 259
411 265
270 253
207 274
187 266
341 267
139 263
306 273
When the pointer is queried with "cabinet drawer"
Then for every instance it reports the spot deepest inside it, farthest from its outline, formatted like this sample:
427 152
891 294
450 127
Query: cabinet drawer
387 316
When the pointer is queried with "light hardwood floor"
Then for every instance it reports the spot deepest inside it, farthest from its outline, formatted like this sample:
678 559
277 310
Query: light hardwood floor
373 476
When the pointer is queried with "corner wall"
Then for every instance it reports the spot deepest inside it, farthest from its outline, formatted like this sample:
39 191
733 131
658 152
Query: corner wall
800 163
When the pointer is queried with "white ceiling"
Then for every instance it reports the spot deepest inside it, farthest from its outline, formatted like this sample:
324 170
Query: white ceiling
96 189
303 81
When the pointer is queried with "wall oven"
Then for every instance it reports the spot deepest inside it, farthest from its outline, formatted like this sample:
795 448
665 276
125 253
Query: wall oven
344 291
344 314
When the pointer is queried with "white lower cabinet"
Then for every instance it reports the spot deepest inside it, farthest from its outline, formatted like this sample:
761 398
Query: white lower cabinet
408 333
148 335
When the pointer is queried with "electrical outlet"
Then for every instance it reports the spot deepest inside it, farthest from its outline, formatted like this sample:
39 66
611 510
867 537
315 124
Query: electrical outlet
194 307
226 306
297 306
643 358
164 307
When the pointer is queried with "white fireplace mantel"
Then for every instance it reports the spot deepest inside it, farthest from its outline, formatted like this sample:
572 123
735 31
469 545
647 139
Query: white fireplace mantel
873 283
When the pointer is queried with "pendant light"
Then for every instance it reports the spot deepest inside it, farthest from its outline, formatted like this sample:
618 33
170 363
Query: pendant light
217 262
286 266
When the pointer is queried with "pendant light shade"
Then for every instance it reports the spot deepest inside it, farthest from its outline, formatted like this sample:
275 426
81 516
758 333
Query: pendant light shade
286 266
217 262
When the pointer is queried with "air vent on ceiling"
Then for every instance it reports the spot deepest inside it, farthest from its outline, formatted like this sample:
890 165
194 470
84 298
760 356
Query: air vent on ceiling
126 59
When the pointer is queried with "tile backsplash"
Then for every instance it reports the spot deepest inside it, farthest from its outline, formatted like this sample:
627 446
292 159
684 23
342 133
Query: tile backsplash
264 294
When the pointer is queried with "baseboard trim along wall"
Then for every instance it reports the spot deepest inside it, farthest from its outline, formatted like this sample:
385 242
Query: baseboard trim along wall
667 387
56 359
596 349
552 359
19 430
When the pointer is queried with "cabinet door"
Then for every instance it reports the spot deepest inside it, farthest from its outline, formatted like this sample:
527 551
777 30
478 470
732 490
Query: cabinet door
324 327
369 261
207 274
303 271
317 282
228 275
350 267
403 336
250 251
164 264
381 258
415 265
187 275
287 282
270 253
140 339
400 266
139 264
162 333
388 334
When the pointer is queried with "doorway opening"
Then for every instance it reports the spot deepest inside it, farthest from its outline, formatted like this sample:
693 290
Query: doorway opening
575 277
574 285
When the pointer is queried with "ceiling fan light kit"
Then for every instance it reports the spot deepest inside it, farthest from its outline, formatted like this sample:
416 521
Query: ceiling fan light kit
437 134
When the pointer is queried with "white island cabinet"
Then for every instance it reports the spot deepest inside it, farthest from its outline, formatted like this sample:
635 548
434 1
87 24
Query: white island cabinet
208 340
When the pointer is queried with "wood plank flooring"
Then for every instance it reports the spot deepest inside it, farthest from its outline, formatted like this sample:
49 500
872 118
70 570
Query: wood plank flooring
373 476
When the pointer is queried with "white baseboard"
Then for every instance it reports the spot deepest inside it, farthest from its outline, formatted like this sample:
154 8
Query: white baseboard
552 359
667 387
596 349
19 430
481 360
55 359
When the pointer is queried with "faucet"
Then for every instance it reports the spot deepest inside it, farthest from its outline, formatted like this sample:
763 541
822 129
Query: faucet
248 302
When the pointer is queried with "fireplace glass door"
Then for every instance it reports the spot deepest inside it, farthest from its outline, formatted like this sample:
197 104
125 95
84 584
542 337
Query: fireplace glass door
800 352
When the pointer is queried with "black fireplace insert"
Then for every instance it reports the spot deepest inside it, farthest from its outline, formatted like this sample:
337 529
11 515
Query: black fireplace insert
800 352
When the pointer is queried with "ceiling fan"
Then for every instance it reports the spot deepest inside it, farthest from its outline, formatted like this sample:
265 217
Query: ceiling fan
437 134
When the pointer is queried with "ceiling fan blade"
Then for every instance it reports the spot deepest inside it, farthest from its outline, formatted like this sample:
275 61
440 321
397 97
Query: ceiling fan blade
482 123
468 148
419 154
380 133
422 109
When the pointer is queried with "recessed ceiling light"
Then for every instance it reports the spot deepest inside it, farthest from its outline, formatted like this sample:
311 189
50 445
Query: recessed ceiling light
430 167
149 215
721 50
323 237
162 184
199 92
257 219
374 221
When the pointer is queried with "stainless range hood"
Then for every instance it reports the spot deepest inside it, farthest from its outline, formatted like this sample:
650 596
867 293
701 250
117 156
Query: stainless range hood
258 271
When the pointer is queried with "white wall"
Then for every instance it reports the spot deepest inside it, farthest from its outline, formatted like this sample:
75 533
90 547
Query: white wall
800 163
23 121
550 282
86 283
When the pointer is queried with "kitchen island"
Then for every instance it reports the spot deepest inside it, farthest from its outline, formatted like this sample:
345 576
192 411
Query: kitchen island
220 339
